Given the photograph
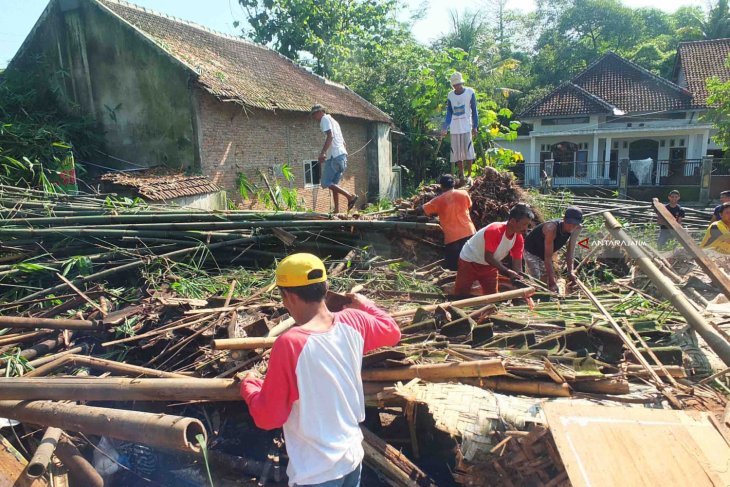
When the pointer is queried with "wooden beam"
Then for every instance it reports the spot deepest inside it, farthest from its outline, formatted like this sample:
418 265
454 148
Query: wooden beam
703 260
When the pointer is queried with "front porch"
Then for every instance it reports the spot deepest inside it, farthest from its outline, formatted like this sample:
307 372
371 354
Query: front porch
641 172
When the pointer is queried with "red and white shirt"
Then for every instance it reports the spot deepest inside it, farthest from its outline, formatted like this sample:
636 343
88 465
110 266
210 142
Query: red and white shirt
313 389
492 238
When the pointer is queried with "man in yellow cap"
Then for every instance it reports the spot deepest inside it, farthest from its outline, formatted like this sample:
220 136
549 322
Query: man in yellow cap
313 386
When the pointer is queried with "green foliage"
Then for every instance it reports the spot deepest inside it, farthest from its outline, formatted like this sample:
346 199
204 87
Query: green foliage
318 32
382 204
204 448
15 364
36 135
272 193
719 115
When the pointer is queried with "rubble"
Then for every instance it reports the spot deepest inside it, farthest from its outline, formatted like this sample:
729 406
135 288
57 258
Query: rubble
124 327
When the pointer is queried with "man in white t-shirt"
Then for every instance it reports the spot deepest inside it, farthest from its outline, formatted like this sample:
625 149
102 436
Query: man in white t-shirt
462 120
481 257
334 166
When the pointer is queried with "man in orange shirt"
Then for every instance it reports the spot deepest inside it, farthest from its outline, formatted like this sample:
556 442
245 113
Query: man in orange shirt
452 207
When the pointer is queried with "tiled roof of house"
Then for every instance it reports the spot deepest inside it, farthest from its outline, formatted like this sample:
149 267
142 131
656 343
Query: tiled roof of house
568 99
618 83
161 186
233 69
699 61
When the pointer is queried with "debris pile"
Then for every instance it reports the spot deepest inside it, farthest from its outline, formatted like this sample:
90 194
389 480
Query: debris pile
124 330
492 195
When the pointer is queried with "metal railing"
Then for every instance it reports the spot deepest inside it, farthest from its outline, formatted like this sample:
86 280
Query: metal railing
589 173
680 172
720 167
683 172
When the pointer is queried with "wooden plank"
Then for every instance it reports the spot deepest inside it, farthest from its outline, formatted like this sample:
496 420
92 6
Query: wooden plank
607 446
703 260
12 468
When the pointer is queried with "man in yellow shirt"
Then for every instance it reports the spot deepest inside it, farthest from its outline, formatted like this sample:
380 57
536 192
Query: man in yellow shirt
717 236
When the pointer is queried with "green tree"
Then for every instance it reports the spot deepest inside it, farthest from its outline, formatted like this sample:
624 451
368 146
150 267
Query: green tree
468 32
319 32
719 115
716 24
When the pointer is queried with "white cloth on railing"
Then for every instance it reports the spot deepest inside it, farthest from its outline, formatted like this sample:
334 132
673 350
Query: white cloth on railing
642 170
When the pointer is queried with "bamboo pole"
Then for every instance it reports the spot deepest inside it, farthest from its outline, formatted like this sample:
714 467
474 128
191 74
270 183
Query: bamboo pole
392 465
126 267
120 368
79 469
50 358
714 340
453 370
42 456
529 387
468 302
101 364
49 323
721 280
654 377
22 337
159 430
120 389
250 343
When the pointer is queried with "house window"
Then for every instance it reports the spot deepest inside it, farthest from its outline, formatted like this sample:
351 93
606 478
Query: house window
312 174
545 155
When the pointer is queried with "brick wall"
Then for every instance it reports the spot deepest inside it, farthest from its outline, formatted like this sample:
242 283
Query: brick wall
234 139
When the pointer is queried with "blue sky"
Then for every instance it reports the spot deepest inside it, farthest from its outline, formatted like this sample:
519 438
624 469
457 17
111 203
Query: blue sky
17 17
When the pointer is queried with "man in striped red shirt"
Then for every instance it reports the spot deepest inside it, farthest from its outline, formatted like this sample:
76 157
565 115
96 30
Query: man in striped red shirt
481 258
313 386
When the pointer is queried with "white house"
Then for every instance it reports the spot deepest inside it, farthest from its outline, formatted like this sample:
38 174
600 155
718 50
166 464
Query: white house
616 111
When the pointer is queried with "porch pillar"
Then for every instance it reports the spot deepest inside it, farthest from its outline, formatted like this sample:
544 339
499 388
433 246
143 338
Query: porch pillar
593 163
691 154
703 144
532 166
623 178
607 158
705 178
532 150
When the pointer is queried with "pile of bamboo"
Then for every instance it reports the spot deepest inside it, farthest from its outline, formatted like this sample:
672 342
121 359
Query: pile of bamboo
637 213
119 354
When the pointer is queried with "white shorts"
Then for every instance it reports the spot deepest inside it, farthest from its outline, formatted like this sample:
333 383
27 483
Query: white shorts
462 148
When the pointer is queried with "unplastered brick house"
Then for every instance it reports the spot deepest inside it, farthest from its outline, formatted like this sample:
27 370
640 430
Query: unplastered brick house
618 126
169 92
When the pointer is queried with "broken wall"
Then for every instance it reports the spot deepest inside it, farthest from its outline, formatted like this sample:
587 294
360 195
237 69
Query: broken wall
101 68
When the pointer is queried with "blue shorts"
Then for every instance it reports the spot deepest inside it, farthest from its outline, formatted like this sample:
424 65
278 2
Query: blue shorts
332 170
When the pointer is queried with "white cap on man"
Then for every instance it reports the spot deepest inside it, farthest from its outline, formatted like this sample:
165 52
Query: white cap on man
457 79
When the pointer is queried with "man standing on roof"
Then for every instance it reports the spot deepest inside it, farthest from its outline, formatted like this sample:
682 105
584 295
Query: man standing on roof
482 255
452 207
462 120
333 167
313 386
549 237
